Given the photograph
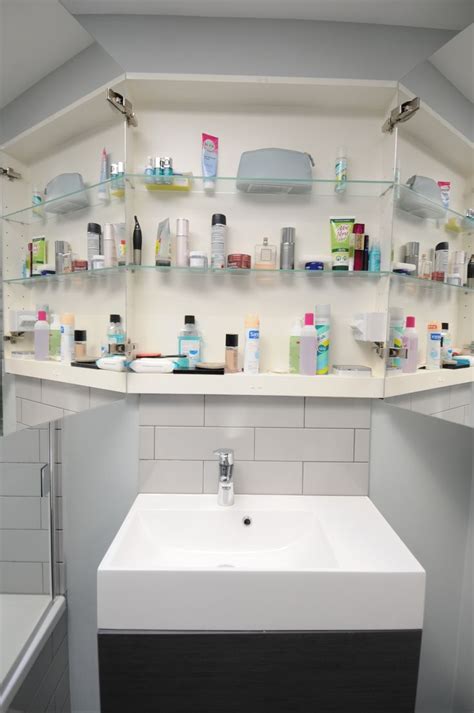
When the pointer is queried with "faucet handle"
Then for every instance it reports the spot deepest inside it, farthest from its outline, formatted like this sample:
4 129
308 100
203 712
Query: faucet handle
226 455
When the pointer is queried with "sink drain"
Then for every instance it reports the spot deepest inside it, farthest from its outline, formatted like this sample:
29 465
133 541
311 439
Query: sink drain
247 520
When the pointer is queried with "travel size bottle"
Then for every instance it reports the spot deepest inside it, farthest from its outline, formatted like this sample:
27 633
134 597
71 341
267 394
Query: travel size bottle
232 353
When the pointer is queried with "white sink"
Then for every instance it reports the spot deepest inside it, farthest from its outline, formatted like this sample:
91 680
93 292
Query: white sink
181 562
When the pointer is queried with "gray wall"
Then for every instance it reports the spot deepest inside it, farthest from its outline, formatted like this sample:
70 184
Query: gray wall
421 478
97 494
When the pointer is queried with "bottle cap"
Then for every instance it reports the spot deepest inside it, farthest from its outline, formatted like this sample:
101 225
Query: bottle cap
309 319
218 219
288 235
232 340
445 325
182 226
410 322
94 228
42 315
189 319
442 246
80 335
252 320
67 318
322 310
358 228
115 318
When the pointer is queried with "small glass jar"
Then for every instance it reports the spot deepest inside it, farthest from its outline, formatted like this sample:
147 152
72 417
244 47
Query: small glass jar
232 353
426 268
80 344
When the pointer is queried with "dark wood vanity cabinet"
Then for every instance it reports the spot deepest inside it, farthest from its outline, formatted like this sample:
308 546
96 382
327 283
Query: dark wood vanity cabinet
259 672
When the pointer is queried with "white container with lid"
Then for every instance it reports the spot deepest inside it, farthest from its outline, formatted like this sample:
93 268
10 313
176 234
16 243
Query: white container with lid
197 259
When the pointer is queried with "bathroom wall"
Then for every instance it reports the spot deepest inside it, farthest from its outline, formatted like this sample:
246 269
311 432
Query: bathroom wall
46 687
451 403
312 446
421 479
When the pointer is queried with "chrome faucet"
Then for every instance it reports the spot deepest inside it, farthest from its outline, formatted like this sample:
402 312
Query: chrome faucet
225 492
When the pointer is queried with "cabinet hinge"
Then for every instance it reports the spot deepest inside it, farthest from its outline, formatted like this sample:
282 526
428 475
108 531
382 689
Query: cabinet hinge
401 114
384 351
123 105
9 173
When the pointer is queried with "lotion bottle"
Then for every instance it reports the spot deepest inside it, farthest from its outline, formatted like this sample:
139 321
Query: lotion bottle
308 346
252 344
41 337
410 343
182 242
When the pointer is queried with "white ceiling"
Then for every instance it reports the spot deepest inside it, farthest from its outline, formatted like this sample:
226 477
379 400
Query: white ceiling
442 14
456 61
36 37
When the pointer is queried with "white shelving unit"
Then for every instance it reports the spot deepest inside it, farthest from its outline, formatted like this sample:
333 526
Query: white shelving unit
80 376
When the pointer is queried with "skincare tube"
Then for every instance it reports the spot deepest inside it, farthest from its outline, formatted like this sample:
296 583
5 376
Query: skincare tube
163 244
341 231
210 149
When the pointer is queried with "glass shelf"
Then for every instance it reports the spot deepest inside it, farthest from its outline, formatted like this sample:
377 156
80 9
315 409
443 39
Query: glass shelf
419 282
426 209
88 197
104 272
187 183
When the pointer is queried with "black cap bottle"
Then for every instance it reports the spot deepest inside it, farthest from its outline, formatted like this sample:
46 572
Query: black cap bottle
137 243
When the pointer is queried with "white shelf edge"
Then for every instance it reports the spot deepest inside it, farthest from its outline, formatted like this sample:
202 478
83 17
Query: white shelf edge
54 371
258 385
400 384
263 79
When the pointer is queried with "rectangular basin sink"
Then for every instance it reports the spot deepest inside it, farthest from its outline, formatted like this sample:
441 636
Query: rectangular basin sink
184 563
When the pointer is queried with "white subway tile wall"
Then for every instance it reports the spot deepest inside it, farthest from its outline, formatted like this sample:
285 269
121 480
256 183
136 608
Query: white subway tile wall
283 445
450 403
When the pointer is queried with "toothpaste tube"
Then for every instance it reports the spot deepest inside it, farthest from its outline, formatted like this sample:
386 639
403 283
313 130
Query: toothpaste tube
341 232
163 244
210 149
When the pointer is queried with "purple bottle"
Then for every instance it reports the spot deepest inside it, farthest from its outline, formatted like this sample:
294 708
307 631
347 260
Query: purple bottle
308 346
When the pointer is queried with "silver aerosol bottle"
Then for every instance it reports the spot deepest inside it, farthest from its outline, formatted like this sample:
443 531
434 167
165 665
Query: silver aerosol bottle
287 249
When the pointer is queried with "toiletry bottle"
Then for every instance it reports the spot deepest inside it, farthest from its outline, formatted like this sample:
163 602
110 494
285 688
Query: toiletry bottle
341 170
252 344
433 347
287 249
232 353
182 242
110 248
137 243
55 338
308 346
441 261
397 327
470 273
295 340
410 343
103 190
412 253
115 335
323 323
149 170
122 256
67 338
166 169
446 342
375 257
80 344
41 337
358 231
366 254
459 265
218 241
189 343
426 268
265 256
94 232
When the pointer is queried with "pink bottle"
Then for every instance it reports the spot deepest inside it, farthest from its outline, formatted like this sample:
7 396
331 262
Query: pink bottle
308 346
410 342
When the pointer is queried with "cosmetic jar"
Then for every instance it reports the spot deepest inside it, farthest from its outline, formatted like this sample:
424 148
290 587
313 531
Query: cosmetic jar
197 259
239 261
98 262
314 265
454 279
79 265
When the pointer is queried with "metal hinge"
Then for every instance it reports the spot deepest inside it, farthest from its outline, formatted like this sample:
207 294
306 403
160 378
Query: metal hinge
13 337
9 173
45 480
390 352
123 106
401 114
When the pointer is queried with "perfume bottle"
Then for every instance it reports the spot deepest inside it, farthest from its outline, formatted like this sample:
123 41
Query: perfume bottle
426 268
265 256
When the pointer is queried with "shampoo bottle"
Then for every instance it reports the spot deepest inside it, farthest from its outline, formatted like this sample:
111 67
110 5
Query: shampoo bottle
252 344
295 339
323 321
308 346
410 343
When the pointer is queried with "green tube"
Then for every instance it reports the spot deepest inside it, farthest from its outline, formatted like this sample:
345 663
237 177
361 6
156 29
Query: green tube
341 231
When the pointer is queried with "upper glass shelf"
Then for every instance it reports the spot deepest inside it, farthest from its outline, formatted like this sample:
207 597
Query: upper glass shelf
418 205
91 196
419 282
